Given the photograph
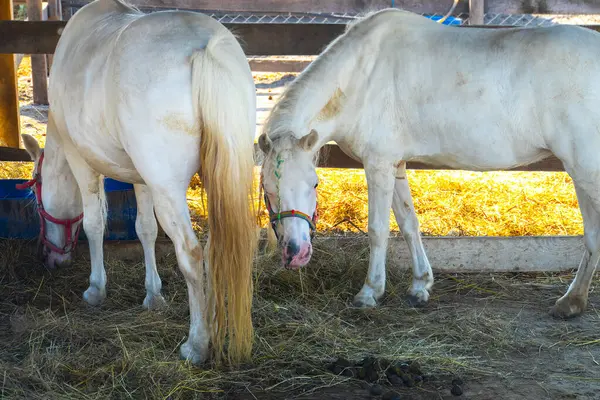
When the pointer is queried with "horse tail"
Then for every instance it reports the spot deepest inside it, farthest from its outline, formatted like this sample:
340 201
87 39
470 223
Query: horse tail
225 104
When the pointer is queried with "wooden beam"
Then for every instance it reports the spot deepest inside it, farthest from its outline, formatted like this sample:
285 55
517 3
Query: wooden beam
333 157
543 7
476 12
39 69
14 154
28 37
297 6
356 6
257 39
9 96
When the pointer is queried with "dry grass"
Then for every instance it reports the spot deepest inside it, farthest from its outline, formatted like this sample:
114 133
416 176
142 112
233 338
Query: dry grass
53 346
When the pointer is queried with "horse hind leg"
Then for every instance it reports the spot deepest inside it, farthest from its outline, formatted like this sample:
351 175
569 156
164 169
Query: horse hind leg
574 301
404 211
173 214
147 231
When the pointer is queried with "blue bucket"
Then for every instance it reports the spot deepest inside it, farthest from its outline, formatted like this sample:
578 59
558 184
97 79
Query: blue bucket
19 218
449 21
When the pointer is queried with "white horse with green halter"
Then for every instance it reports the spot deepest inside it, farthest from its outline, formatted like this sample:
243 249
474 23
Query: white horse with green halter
150 99
398 87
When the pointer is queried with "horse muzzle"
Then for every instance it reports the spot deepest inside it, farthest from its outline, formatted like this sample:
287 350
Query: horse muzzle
296 255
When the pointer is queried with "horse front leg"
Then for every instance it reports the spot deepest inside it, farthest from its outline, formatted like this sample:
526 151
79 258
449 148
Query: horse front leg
94 218
147 231
380 182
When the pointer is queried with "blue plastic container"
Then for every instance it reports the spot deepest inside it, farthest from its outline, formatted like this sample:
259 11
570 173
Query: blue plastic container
449 21
19 218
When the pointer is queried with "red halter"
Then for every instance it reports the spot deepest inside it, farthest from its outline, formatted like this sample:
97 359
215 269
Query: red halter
70 243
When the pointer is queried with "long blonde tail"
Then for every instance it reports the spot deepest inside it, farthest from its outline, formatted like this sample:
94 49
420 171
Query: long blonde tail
224 92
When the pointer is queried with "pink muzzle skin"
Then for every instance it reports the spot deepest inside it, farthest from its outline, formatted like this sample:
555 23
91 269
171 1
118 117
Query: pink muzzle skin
298 259
57 255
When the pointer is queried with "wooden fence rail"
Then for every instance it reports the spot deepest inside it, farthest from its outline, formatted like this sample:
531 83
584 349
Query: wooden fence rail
353 6
257 39
333 157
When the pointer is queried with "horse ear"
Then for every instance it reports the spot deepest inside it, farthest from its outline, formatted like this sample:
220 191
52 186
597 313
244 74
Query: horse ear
264 142
32 146
309 141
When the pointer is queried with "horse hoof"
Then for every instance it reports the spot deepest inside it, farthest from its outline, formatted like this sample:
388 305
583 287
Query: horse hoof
154 302
94 296
568 307
189 352
364 301
415 301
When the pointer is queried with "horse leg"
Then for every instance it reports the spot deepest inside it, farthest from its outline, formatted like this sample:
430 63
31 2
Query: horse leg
174 216
574 301
94 218
147 231
404 211
208 288
380 182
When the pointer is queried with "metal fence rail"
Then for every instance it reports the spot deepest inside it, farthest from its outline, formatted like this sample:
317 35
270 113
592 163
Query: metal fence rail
315 18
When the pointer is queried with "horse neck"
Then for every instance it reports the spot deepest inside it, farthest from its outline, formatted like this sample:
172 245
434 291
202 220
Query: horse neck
310 94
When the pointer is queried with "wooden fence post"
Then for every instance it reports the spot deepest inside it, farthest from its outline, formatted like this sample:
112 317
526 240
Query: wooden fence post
39 70
476 12
9 95
54 14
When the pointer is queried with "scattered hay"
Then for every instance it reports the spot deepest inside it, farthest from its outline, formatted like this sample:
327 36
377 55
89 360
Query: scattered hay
476 326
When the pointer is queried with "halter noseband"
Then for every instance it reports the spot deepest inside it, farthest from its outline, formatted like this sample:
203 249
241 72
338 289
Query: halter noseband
275 218
70 243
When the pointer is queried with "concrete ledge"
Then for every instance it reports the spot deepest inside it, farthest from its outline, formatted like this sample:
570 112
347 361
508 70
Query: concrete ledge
450 254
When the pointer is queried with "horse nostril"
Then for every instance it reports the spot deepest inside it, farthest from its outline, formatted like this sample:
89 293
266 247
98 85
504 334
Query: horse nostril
292 249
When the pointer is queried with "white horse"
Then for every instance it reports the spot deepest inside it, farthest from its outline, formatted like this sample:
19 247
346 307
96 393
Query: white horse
397 87
151 99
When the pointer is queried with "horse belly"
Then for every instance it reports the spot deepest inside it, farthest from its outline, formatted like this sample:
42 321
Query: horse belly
108 160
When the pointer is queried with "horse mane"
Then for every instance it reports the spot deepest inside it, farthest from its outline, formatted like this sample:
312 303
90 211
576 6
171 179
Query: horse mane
320 83
125 7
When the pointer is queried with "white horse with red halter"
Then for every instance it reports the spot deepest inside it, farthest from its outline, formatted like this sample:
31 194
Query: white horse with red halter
397 87
150 100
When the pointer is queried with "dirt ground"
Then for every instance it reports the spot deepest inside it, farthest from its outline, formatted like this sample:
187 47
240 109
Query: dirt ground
492 331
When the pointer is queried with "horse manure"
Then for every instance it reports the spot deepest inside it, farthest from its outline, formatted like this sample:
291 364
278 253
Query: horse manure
371 370
376 390
371 374
395 380
409 381
302 370
415 368
457 382
456 390
342 362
